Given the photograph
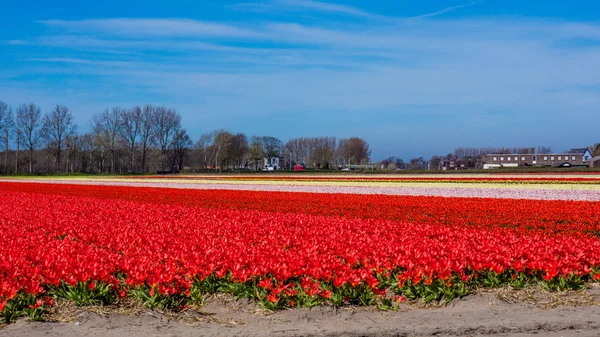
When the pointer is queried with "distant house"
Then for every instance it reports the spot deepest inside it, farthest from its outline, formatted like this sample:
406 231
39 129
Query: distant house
273 162
574 157
460 164
584 152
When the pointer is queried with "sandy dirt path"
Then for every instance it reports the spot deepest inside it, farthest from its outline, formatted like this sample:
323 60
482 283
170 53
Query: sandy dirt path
475 315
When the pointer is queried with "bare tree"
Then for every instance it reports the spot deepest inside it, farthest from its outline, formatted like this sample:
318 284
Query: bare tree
73 148
58 125
271 147
7 124
204 147
166 124
343 152
220 147
214 148
435 163
238 149
86 155
323 151
98 143
140 138
399 163
292 149
544 150
471 153
389 163
107 127
418 164
354 151
29 129
181 144
18 141
131 120
255 152
595 149
146 133
300 150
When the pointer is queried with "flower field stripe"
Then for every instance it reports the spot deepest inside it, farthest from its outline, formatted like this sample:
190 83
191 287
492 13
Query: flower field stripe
167 247
554 215
531 192
375 179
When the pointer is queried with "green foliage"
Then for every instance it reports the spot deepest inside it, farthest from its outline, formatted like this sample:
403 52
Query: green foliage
570 282
387 295
153 299
387 304
305 300
23 305
91 293
435 291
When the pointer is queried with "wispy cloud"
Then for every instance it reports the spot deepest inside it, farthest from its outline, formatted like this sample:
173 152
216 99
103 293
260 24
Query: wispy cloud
153 27
85 42
93 62
411 73
418 41
312 6
446 10
329 7
17 42
63 60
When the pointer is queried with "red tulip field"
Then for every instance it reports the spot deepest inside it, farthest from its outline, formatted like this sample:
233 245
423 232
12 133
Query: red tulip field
171 247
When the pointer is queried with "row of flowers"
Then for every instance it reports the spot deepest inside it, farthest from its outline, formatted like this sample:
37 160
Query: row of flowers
169 248
375 179
546 216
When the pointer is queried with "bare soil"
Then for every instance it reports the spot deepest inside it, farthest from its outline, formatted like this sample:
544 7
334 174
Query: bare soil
501 312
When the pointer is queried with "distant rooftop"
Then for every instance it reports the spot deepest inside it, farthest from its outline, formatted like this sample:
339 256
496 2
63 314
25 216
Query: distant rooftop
578 151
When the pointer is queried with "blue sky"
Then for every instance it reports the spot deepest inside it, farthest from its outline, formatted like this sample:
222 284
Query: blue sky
415 78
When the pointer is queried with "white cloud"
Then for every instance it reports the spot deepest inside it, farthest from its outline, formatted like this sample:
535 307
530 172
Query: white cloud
453 58
17 42
329 7
153 27
124 45
469 71
277 6
446 10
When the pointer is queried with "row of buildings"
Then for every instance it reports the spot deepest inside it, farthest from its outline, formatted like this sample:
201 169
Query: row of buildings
573 158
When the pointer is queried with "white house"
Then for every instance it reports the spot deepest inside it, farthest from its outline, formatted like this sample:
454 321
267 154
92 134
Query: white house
274 163
585 153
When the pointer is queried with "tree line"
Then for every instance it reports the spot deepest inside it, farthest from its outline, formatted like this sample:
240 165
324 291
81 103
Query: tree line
224 150
151 138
